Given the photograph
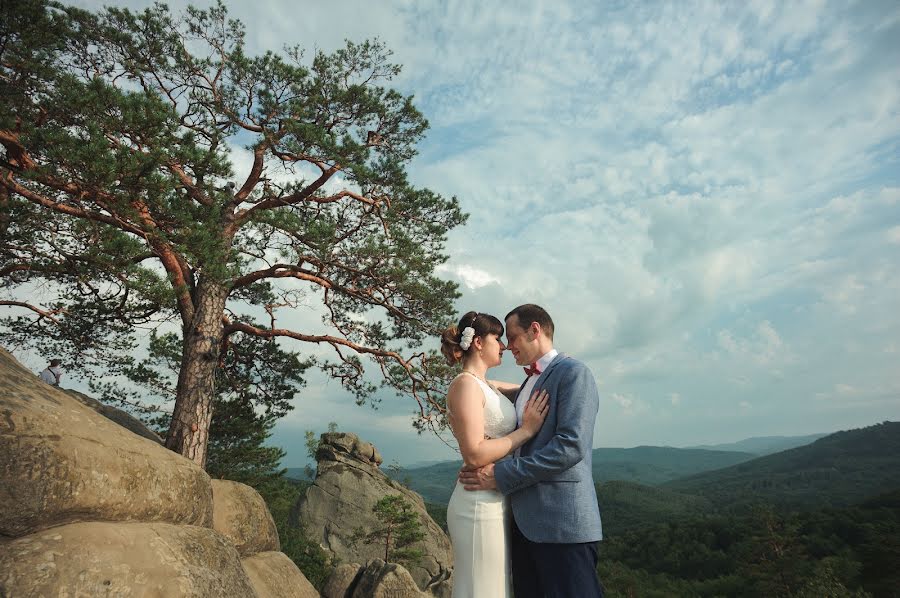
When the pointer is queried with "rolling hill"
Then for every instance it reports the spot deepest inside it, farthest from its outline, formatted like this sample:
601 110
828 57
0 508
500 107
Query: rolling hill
653 465
837 470
763 445
627 505
648 465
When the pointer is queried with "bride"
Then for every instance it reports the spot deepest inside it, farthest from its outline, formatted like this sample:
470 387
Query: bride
484 423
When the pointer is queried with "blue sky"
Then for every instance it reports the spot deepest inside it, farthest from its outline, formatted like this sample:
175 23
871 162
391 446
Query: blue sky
705 197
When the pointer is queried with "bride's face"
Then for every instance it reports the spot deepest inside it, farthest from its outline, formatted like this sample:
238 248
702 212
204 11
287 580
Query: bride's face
492 349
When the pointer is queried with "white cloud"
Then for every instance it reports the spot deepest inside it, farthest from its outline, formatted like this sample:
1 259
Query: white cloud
471 276
764 347
893 235
623 401
701 194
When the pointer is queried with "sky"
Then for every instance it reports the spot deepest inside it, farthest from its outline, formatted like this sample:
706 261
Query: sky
705 196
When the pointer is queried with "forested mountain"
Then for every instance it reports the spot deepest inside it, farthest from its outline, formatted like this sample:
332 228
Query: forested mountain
849 553
296 473
650 465
657 464
841 469
629 505
763 445
816 520
434 482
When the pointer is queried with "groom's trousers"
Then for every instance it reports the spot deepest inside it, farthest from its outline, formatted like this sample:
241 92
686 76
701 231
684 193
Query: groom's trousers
553 570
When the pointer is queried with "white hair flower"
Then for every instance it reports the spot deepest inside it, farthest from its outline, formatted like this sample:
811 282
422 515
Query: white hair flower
465 341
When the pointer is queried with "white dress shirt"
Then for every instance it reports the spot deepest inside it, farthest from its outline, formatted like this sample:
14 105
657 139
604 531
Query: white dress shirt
525 394
52 375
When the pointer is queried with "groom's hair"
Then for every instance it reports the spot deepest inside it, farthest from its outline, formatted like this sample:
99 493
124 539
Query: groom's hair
529 313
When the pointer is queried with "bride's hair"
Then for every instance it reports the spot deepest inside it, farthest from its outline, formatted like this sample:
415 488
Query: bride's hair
483 324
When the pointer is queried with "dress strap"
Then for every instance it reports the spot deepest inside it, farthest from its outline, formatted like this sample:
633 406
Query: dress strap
470 374
481 383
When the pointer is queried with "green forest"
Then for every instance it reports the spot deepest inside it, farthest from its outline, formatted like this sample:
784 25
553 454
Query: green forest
816 520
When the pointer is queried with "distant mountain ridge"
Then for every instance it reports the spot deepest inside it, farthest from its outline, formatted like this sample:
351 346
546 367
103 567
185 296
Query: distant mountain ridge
763 445
647 465
819 470
755 446
837 470
653 465
296 473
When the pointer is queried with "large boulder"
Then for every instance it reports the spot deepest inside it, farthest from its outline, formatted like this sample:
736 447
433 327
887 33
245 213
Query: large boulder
240 514
274 575
340 501
375 579
342 581
62 462
124 419
385 580
123 559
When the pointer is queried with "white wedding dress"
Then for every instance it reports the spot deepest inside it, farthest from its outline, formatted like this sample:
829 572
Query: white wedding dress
478 520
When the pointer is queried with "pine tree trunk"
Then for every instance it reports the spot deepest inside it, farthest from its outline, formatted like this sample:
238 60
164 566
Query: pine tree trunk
189 431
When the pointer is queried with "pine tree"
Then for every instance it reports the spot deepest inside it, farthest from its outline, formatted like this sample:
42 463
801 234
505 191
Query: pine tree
120 199
399 528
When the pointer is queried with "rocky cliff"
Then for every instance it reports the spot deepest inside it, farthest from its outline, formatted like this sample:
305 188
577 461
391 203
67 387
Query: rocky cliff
348 484
90 508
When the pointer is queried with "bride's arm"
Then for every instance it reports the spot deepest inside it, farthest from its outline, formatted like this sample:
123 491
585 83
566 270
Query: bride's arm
508 389
465 401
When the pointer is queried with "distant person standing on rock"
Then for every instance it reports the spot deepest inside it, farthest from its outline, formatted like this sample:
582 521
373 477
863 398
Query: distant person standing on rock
52 374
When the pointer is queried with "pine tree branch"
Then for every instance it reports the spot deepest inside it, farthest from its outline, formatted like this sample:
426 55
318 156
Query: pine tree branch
42 312
243 215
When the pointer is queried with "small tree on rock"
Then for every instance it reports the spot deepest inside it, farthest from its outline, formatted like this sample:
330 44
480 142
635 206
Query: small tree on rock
399 528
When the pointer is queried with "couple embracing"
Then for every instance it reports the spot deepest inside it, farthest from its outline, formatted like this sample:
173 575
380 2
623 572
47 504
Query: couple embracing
524 511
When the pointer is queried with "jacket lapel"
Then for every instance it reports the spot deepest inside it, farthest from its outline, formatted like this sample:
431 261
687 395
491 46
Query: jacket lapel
537 384
543 377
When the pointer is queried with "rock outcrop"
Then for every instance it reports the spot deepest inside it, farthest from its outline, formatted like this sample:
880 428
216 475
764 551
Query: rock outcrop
240 514
123 418
341 582
62 462
89 508
376 579
122 559
340 501
274 575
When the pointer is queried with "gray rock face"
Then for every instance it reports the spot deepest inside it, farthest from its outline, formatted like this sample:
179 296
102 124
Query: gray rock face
385 580
375 579
62 462
88 508
342 581
122 559
240 514
126 420
343 446
348 484
274 575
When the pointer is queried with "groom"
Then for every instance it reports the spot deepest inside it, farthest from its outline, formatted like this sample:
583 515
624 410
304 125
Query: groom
556 520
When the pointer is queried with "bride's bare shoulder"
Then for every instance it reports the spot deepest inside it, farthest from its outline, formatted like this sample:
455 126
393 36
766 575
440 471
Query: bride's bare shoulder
463 382
465 388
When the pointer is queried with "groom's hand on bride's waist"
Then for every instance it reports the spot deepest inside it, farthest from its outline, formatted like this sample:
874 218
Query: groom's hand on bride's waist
478 478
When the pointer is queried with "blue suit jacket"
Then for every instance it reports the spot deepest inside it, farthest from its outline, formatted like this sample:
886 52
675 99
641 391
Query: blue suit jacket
550 486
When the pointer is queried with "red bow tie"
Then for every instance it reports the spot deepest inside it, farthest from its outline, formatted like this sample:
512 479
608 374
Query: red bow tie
532 369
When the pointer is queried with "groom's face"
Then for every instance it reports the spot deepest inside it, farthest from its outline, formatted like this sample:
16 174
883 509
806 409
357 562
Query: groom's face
522 343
